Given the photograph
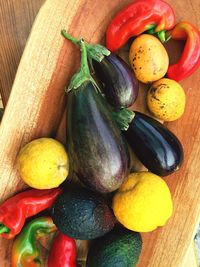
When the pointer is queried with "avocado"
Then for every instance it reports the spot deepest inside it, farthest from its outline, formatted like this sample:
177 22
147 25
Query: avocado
82 214
119 248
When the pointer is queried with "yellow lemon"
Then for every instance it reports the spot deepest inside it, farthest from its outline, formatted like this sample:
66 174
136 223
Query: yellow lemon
148 58
166 100
143 202
43 163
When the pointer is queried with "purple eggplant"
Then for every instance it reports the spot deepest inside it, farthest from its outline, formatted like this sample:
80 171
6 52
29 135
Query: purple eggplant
97 151
155 146
119 84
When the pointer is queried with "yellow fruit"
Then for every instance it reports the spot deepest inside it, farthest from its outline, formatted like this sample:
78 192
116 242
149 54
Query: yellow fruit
148 58
43 163
143 202
166 100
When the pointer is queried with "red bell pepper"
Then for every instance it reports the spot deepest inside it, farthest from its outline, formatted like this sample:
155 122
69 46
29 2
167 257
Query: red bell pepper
138 17
25 252
63 252
190 58
15 210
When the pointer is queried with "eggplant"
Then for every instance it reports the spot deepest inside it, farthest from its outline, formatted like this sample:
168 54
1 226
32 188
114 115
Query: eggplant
119 84
156 147
97 151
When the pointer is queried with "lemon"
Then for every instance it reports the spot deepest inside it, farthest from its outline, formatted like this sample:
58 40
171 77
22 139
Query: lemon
166 100
43 163
143 202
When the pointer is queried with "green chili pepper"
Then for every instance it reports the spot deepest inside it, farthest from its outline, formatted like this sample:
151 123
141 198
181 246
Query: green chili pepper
25 252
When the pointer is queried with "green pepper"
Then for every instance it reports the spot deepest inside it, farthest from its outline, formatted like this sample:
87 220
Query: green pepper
25 252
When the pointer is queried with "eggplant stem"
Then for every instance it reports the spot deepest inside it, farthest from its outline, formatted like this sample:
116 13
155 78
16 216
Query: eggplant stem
4 229
84 73
70 37
123 118
84 62
96 52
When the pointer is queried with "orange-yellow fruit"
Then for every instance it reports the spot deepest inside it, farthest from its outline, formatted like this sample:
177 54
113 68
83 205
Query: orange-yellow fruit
148 58
166 100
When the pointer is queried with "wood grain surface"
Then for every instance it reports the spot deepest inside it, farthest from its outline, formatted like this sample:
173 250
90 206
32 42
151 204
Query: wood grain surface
16 19
37 103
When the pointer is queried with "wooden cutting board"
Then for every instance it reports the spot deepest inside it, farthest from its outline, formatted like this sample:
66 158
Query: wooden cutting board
37 103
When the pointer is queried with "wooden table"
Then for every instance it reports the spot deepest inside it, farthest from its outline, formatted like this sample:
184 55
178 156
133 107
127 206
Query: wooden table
16 18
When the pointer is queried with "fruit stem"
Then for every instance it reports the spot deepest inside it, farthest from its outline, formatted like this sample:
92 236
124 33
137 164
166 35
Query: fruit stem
70 37
96 52
4 229
83 75
123 118
163 36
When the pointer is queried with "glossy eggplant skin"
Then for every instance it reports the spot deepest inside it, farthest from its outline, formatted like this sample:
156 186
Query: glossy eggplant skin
155 146
119 84
97 150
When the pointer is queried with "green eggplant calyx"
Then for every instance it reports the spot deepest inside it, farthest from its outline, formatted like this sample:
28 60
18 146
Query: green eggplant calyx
84 73
123 118
4 229
96 52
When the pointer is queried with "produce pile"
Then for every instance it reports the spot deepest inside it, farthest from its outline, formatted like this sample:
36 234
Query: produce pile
88 189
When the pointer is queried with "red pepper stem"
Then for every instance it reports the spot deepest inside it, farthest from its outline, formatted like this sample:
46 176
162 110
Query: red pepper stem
4 229
163 36
151 28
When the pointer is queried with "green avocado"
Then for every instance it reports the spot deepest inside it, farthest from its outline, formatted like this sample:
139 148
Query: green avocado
119 248
82 214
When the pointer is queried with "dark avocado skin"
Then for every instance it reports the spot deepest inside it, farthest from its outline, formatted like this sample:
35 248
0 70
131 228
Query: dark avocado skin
156 147
82 214
119 248
120 86
97 150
